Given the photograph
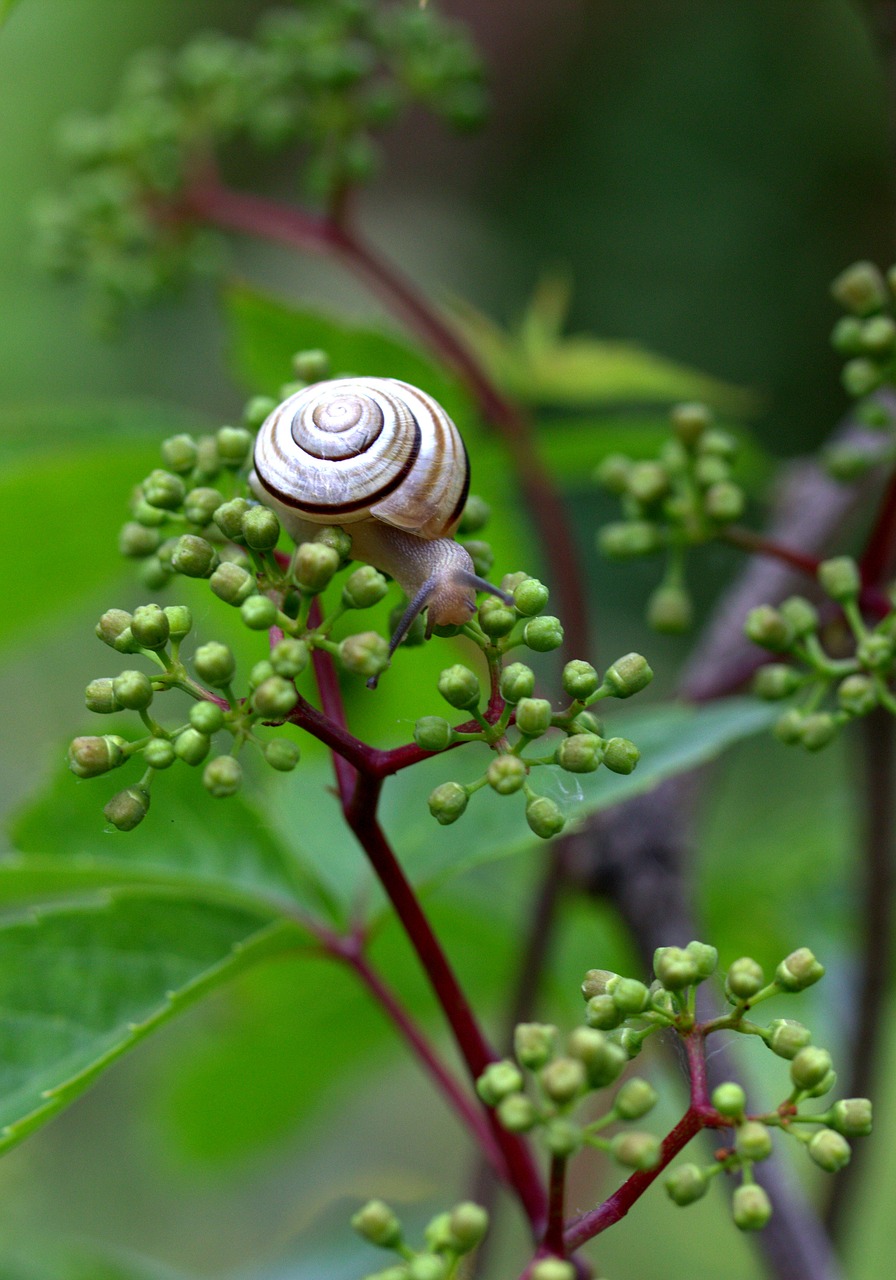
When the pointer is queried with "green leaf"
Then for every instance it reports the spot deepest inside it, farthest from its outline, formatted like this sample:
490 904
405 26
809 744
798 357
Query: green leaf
25 427
80 985
6 7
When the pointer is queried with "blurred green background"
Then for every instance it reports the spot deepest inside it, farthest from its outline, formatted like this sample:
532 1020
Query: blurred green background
700 170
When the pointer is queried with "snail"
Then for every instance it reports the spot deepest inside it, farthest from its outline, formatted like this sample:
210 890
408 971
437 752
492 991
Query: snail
382 460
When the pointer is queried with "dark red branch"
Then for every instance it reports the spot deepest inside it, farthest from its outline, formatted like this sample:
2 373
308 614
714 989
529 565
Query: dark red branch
553 1237
877 559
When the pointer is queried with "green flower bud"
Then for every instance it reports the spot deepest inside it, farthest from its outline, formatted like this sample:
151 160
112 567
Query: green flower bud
533 716
669 610
534 1044
364 588
875 651
180 621
628 675
222 777
153 574
840 578
674 967
482 556
817 730
860 376
825 1085
852 1117
810 1067
750 1207
705 957
194 557
637 1150
627 539
260 672
530 597
857 695
159 753
686 1184
163 489
879 335
517 1114
99 697
786 1037
544 817
789 727
259 613
744 979
365 654
179 453
724 501
447 802
192 747
753 1140
580 753
378 1225
543 634
801 614
476 515
729 1100
767 627
289 657
150 627
711 470
274 698
281 755
208 464
229 518
498 1081
433 733
114 629
137 541
563 1080
775 681
689 421
517 682
312 365
562 1137
846 336
580 680
128 808
860 288
90 756
620 755
628 994
647 481
635 1099
207 717
595 982
201 504
799 970
469 1223
612 473
603 1060
603 1013
829 1150
260 529
459 687
233 444
257 409
552 1269
437 1233
214 663
426 1266
507 774
718 443
844 462
495 618
132 690
232 584
585 722
338 540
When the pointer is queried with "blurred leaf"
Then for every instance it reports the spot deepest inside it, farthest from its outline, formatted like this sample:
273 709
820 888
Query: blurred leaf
24 428
79 985
6 7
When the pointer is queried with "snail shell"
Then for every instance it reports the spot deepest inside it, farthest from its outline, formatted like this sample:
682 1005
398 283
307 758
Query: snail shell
383 460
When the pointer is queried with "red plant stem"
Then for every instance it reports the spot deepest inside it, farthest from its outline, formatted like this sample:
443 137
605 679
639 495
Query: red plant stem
876 562
757 545
553 1237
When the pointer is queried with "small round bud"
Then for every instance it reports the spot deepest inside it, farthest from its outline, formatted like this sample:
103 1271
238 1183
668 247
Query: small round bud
563 1080
875 651
603 1013
426 1266
365 654
281 755
495 618
150 627
530 597
810 1067
744 979
775 681
753 1140
544 817
878 335
647 481
628 539
543 634
860 288
460 688
829 1150
729 1100
433 733
852 1117
562 1137
233 444
447 802
229 518
179 453
194 557
201 504
724 501
533 716
114 624
517 682
192 747
840 578
159 753
628 994
214 663
817 730
377 1224
180 621
476 515
635 1099
857 695
552 1269
705 957
674 967
603 1060
580 753
90 756
580 680
499 1080
686 1184
364 588
99 697
232 584
207 717
289 657
786 1037
845 463
330 535
127 808
275 698
222 777
637 1150
750 1207
163 489
612 473
257 409
620 755
765 626
312 365
153 574
534 1044
669 610
517 1114
208 464
801 614
137 541
259 613
846 336
789 727
595 982
132 690
469 1223
482 556
711 470
628 675
689 421
799 970
507 774
260 529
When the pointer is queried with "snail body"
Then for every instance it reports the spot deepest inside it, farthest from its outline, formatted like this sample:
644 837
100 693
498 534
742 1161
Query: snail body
382 460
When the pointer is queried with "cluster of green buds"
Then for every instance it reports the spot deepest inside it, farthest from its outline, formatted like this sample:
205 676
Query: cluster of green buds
522 720
326 77
449 1237
156 634
866 337
681 499
829 690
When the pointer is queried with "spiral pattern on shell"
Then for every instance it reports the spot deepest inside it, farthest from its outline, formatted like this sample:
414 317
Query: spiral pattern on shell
340 451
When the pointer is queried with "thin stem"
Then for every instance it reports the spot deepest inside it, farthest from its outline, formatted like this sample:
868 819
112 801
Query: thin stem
877 559
334 710
756 544
553 1236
